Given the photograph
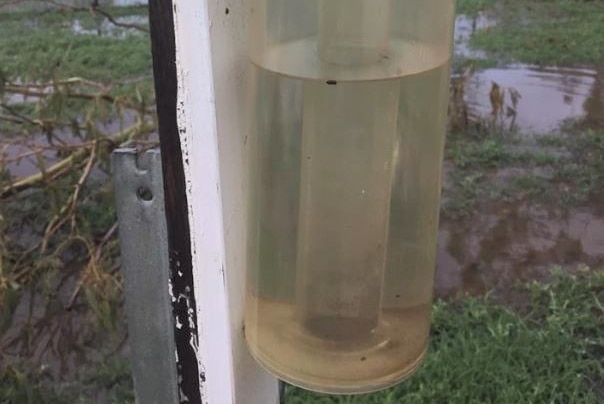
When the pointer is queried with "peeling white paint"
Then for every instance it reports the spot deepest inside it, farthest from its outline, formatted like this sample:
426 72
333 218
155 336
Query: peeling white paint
171 290
198 134
211 63
183 397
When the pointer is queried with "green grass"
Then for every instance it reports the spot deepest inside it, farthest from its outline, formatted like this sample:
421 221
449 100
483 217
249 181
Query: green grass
474 160
581 176
564 169
489 152
61 54
21 386
43 46
464 191
108 382
472 7
560 32
483 352
460 64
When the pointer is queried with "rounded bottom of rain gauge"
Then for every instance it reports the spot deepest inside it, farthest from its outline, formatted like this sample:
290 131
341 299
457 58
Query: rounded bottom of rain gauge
356 365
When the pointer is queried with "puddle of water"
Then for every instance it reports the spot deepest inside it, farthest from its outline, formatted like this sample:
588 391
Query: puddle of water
549 95
511 242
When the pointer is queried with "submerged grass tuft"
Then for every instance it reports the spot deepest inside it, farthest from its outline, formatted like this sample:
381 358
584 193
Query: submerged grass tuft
564 169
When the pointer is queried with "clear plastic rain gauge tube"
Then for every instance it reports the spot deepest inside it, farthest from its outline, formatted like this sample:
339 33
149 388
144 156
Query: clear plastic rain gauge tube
346 144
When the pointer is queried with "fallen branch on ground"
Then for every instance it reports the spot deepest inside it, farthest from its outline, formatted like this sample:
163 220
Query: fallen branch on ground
63 166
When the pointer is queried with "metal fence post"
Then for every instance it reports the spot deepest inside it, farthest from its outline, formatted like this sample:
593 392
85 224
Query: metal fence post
139 195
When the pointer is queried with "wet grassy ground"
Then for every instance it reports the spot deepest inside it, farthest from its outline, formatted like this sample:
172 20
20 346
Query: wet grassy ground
546 32
543 346
562 169
46 46
526 342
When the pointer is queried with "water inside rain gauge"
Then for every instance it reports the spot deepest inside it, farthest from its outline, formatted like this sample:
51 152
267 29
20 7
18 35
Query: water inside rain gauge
346 144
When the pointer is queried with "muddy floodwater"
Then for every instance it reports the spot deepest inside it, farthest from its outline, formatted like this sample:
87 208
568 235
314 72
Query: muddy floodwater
549 95
497 246
509 242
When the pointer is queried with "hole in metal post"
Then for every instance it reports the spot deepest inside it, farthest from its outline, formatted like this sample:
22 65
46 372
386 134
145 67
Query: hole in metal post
144 194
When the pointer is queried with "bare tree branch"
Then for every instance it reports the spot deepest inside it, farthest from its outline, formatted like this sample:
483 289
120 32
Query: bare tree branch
96 257
59 168
29 91
96 9
23 118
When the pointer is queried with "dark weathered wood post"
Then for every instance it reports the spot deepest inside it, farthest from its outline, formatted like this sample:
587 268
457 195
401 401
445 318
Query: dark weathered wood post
179 242
200 65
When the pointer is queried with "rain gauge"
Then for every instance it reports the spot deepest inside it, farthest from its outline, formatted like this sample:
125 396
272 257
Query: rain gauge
348 119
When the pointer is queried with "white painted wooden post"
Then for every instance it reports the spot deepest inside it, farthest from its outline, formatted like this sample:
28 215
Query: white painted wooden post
212 66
